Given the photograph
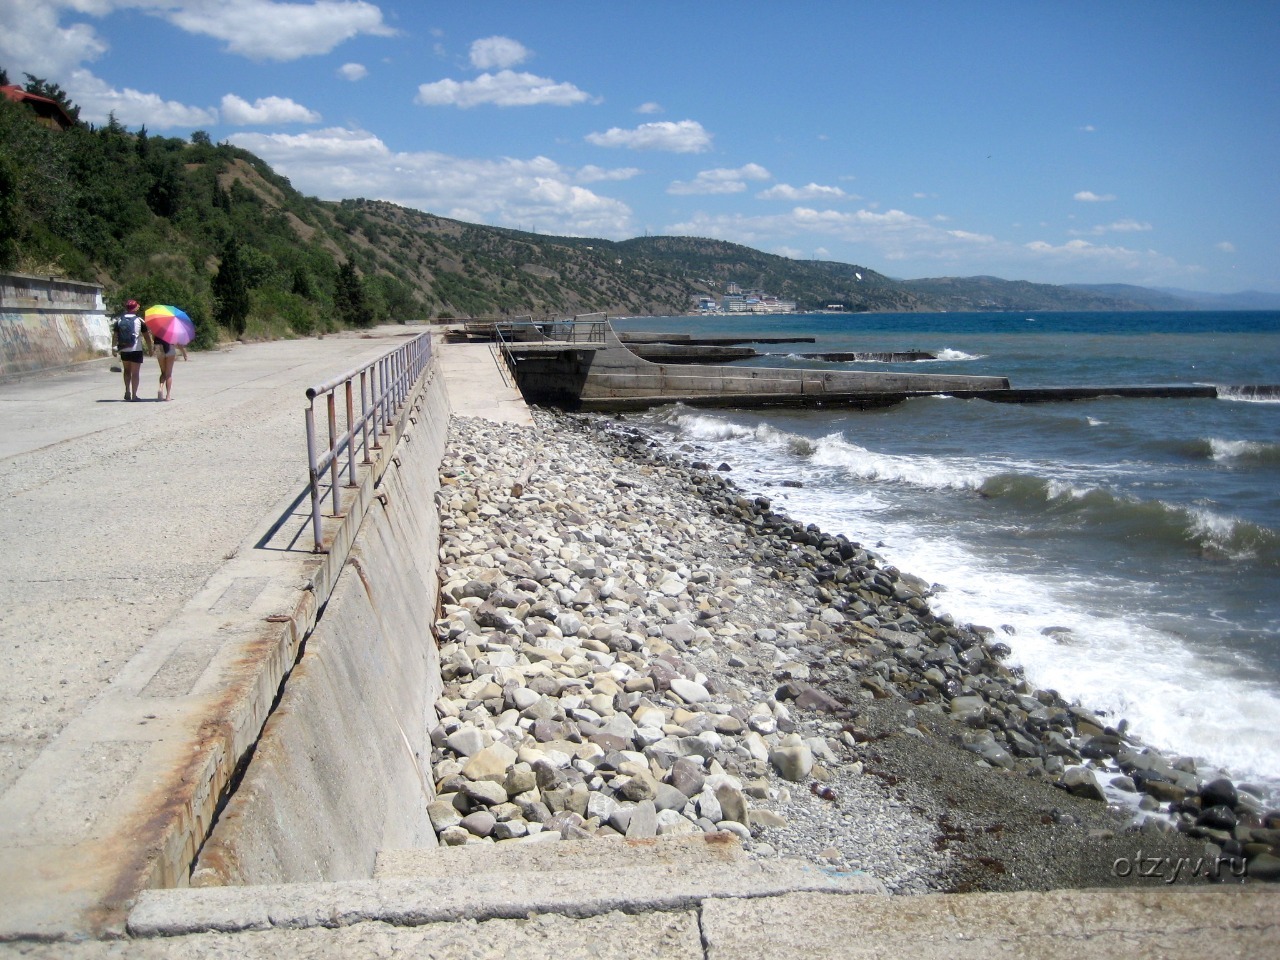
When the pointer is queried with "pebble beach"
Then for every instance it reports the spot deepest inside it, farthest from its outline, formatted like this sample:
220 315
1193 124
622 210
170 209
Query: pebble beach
633 647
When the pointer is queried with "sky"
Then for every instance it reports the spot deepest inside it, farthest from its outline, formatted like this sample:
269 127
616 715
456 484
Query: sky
1056 142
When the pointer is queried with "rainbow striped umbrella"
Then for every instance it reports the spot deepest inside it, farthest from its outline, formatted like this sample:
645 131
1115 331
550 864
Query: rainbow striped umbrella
169 324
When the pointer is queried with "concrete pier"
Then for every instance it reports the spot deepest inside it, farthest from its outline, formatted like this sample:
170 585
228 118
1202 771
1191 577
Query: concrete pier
585 366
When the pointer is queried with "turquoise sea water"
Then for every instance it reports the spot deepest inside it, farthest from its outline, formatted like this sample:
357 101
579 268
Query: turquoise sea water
1129 548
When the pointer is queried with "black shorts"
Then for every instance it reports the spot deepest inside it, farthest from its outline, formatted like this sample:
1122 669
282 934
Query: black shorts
131 356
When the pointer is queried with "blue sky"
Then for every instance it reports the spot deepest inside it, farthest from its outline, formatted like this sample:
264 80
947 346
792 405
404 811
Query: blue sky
1058 142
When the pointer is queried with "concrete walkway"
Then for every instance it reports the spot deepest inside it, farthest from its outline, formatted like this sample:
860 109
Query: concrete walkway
152 547
154 551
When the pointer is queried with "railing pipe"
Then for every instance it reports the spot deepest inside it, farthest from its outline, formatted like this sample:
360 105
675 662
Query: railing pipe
364 414
314 475
350 434
331 403
385 385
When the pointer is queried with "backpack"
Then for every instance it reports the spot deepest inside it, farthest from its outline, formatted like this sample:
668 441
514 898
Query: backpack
127 332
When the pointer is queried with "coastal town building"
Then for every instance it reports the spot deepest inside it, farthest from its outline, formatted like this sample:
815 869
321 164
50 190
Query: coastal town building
734 300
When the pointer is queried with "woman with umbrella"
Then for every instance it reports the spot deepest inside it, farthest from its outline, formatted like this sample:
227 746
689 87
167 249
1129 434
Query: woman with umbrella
172 330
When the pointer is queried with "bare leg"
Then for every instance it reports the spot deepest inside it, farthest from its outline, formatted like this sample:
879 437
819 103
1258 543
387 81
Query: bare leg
134 371
166 376
124 373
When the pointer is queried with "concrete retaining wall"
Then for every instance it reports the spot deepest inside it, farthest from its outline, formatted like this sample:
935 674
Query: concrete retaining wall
343 766
47 323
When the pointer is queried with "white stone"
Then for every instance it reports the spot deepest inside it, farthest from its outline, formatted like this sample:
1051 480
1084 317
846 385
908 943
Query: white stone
688 691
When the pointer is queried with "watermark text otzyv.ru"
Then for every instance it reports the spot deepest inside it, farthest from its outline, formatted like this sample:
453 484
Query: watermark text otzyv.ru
1173 869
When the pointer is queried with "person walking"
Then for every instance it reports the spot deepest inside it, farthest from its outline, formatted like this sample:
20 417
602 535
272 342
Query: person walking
128 334
166 354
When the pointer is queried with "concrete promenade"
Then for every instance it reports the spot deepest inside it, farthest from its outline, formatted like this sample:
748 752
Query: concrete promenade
149 545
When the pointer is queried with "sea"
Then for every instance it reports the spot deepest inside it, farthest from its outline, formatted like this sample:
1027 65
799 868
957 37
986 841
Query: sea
1127 550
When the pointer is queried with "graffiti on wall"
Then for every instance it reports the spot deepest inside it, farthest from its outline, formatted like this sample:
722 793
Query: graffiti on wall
47 323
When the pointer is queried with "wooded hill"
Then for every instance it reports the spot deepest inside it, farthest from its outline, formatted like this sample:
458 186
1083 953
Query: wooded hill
213 229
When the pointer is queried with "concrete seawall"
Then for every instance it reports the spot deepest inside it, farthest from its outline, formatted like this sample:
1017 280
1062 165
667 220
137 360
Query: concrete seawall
47 324
343 766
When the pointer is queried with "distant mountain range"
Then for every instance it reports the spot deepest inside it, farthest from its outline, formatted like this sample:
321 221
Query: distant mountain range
1171 298
164 219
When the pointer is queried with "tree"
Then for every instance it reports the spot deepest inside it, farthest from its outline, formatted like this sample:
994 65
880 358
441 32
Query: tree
165 193
348 297
43 88
10 214
230 291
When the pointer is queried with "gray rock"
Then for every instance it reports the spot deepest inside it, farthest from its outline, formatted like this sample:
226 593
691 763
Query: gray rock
643 822
491 763
686 776
455 836
733 803
485 792
442 814
689 691
480 823
669 798
1219 792
793 763
510 830
467 741
1081 782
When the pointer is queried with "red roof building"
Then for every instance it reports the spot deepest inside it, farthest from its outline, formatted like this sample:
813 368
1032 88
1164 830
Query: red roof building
50 112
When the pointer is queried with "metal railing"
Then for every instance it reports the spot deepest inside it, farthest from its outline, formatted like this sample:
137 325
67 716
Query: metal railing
383 385
580 329
508 335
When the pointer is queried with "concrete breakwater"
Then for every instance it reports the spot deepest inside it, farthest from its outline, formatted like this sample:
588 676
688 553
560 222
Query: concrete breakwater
630 646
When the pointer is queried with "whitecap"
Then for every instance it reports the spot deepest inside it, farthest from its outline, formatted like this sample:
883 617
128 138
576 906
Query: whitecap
946 353
1234 449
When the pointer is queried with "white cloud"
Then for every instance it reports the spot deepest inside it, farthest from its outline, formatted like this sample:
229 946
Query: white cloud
719 181
353 71
1078 254
1088 196
265 110
1127 226
784 191
267 30
337 162
98 101
1119 226
891 235
1226 246
649 107
593 174
45 38
926 249
1088 128
33 40
684 136
498 53
505 88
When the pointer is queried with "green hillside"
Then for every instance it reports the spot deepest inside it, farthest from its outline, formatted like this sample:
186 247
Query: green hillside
212 228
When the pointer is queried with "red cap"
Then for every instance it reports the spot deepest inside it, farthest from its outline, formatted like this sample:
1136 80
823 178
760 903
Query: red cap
131 305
